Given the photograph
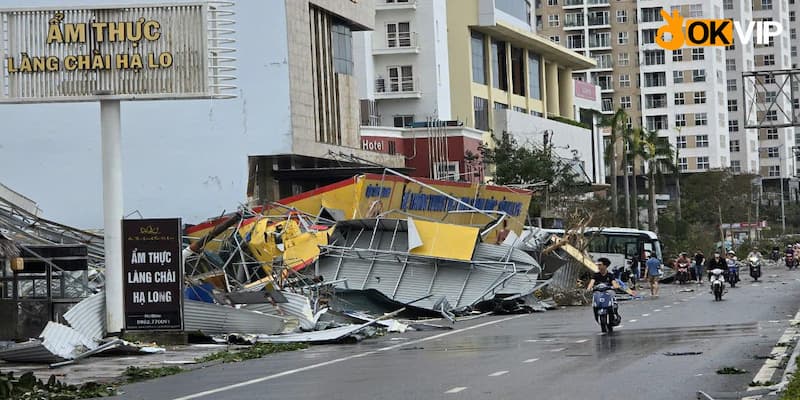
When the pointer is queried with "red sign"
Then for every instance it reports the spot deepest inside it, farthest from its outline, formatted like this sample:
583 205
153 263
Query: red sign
585 90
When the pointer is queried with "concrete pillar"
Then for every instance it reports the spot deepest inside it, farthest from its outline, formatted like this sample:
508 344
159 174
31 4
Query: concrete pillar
551 83
567 93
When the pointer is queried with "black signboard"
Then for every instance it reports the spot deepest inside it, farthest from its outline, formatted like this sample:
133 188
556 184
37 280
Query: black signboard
153 274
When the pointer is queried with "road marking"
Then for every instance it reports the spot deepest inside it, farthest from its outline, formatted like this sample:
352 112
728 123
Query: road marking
338 360
498 373
684 300
558 349
645 315
657 310
633 320
530 360
456 389
582 341
676 303
540 340
667 306
620 326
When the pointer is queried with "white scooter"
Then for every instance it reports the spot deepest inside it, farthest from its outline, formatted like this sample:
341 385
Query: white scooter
717 283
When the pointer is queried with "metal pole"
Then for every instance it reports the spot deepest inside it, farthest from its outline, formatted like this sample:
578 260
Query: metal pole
783 211
112 212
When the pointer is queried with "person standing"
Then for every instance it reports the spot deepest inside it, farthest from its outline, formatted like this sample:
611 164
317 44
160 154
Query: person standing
653 273
697 268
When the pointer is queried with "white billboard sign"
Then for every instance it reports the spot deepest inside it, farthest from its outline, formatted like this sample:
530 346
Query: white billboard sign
173 51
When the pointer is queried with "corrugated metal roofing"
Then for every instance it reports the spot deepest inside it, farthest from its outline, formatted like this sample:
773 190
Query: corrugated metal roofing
88 316
64 341
32 351
297 306
216 319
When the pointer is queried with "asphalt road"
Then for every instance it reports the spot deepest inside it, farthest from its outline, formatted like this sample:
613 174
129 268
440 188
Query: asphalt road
554 355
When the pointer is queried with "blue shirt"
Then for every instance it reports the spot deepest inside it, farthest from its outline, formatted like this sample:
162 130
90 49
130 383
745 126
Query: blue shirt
653 265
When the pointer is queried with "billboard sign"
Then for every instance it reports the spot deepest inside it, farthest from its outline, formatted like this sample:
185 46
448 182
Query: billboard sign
153 274
118 52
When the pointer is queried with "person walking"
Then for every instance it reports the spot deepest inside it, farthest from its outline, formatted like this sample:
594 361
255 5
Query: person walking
697 268
653 273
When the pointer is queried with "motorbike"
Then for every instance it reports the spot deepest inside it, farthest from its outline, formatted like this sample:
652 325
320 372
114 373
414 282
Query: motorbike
754 264
776 255
682 274
717 283
624 275
790 261
733 273
605 308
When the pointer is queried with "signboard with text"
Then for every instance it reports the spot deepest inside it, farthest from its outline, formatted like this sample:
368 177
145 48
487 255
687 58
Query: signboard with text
118 52
153 274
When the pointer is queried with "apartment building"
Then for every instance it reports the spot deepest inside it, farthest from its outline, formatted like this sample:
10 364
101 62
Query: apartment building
473 62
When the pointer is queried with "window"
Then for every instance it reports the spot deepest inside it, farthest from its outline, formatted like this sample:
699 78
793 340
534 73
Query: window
600 39
625 102
679 99
552 2
342 45
702 163
698 54
398 34
656 122
623 59
624 80
701 140
727 4
518 71
698 75
499 65
520 109
683 164
677 76
772 152
654 79
658 100
604 61
680 120
766 4
695 10
677 55
774 170
403 120
734 146
500 106
629 123
736 166
653 57
701 119
731 85
733 105
771 115
730 64
552 20
772 133
651 14
793 33
622 16
401 78
534 74
733 125
555 39
769 79
769 96
699 97
478 58
792 17
769 59
481 106
608 104
794 51
575 41
446 171
649 36
622 38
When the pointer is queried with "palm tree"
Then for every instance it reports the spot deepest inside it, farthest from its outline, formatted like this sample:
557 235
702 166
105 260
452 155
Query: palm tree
616 122
657 156
627 139
637 151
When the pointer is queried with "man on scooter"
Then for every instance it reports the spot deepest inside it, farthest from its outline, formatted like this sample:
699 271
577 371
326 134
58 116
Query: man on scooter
604 276
716 262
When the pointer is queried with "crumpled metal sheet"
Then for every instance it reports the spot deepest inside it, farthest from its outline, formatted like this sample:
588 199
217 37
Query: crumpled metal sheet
297 306
88 316
325 336
31 351
56 343
216 319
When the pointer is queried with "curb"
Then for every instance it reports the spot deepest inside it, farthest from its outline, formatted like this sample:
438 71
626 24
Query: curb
783 356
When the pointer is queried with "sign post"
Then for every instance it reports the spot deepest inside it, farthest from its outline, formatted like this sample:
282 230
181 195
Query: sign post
153 274
111 53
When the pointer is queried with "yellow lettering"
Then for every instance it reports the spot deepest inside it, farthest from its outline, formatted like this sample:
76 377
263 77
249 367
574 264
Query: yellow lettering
150 30
134 31
97 61
70 63
151 61
11 67
75 33
52 64
25 64
122 61
99 30
165 59
38 64
136 61
116 32
83 62
54 34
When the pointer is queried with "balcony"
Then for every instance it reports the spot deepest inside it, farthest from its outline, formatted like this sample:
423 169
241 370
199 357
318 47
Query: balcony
568 4
597 3
599 22
397 88
395 4
574 23
600 43
397 43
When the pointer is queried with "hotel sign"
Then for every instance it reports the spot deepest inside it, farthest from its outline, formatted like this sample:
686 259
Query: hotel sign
118 52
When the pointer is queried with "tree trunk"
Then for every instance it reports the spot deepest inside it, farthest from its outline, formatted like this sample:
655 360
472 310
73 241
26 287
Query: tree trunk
635 198
652 210
627 190
677 188
614 188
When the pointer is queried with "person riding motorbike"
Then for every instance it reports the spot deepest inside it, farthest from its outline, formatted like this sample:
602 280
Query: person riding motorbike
605 276
754 253
733 263
683 259
716 262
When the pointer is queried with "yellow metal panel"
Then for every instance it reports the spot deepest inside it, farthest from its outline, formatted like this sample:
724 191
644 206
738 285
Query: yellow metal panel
445 240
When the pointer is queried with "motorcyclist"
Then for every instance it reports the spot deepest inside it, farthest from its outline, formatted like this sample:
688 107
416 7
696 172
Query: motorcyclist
604 276
732 261
754 253
683 259
716 262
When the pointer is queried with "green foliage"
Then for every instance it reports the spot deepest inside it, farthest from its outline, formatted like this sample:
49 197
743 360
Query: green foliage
256 351
569 121
136 374
731 371
28 387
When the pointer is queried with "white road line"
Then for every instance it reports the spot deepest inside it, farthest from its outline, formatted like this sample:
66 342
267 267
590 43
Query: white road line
676 303
667 306
633 320
582 341
540 340
620 326
657 310
645 315
456 389
338 360
558 350
530 360
498 373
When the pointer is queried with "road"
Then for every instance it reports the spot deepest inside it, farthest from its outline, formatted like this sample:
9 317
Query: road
553 355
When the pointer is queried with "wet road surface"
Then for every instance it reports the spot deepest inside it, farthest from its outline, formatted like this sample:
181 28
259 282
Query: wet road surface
553 355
